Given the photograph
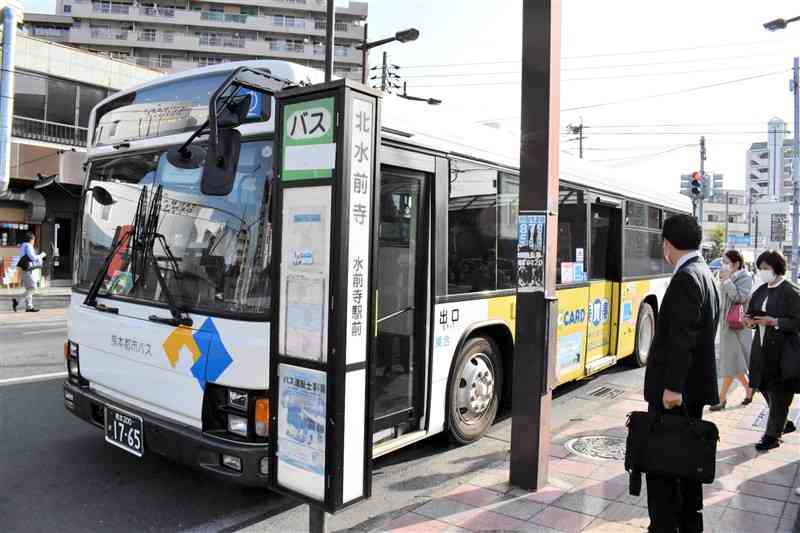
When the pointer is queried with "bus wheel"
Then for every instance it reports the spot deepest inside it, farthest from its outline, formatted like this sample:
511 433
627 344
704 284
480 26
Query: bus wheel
645 329
474 390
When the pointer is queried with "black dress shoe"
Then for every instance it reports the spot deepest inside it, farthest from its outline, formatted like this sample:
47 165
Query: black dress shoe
32 310
14 304
789 428
767 443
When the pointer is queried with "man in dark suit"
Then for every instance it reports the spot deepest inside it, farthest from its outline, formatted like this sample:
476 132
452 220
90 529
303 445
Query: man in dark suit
681 366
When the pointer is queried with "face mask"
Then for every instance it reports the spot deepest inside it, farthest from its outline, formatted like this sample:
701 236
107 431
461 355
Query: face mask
767 276
665 252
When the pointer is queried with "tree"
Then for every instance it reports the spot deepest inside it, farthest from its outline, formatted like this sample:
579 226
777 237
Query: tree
718 240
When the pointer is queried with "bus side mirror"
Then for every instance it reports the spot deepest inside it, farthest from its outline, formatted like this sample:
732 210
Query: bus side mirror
222 158
235 113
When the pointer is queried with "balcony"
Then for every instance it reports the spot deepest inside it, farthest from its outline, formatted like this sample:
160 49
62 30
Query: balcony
300 24
111 9
109 35
223 41
165 12
42 130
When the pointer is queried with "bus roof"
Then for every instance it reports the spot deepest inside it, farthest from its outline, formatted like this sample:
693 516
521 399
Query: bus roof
415 123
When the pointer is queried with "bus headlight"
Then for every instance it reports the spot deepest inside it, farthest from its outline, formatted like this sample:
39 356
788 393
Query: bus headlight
237 399
71 355
237 425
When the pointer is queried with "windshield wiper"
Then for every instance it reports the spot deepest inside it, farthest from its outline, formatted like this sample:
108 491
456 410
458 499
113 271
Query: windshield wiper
179 316
91 297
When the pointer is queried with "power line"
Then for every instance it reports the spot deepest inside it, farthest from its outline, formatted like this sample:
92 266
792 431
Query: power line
644 156
636 75
673 133
672 93
519 61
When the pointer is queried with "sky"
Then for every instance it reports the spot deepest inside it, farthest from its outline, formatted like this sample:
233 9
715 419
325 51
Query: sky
618 56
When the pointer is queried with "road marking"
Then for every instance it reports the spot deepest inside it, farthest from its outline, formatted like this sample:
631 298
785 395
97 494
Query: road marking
36 377
38 331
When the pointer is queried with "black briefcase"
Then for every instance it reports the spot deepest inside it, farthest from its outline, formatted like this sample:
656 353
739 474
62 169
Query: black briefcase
672 445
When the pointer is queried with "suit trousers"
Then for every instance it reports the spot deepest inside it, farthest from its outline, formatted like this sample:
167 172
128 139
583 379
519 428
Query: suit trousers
675 504
780 400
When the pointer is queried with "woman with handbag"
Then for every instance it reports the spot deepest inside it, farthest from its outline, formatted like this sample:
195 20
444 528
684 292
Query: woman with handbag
774 312
734 338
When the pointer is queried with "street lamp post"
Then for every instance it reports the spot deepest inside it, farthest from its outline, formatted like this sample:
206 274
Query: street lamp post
774 25
411 34
431 101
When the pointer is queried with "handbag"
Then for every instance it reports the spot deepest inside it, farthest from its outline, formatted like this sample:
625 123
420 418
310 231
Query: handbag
24 263
670 444
734 317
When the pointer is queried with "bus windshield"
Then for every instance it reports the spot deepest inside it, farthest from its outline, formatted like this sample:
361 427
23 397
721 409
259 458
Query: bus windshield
214 253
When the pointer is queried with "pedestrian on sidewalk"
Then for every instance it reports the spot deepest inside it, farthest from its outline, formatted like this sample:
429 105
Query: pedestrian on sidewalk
28 262
681 366
734 338
774 310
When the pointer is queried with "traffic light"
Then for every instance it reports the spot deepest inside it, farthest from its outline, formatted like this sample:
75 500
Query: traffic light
696 185
708 186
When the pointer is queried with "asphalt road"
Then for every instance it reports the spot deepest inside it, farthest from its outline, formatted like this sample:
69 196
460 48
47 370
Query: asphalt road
57 473
31 348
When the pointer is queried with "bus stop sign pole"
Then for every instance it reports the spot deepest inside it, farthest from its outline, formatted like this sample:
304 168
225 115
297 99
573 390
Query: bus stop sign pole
534 360
325 196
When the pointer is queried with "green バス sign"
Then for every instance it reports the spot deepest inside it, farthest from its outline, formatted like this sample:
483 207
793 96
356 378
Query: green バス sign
308 148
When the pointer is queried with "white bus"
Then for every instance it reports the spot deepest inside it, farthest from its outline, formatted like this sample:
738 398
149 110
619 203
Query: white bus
195 388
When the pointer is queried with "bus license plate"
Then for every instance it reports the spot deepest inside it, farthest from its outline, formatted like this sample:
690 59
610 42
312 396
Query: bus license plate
125 430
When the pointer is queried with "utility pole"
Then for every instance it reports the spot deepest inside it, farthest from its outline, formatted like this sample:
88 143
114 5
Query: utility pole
578 130
384 73
329 28
364 55
755 244
726 219
795 165
702 177
537 306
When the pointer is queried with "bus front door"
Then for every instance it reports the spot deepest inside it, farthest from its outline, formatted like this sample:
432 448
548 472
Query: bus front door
402 266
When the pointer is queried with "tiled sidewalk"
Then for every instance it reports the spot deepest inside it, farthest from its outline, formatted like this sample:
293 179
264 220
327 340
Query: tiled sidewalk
21 317
753 492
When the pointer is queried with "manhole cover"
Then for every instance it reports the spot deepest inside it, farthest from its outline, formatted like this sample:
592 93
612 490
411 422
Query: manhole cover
598 447
605 393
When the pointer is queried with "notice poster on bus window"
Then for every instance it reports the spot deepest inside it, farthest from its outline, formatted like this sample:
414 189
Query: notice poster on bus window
309 150
302 409
531 232
568 273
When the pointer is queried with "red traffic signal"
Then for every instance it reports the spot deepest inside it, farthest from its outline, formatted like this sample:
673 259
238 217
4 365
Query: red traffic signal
697 184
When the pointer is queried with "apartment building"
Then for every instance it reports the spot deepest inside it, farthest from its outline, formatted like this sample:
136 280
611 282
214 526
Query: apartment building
769 165
180 34
727 205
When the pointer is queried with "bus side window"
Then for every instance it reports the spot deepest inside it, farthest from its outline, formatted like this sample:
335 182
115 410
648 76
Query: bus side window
605 253
643 255
571 257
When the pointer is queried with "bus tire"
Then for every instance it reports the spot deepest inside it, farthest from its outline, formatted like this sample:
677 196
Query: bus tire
645 330
474 390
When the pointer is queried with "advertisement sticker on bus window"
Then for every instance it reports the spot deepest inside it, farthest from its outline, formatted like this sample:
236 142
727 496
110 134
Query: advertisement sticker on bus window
531 231
309 151
568 273
579 255
302 414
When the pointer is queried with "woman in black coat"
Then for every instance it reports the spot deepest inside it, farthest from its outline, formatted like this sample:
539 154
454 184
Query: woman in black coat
774 312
